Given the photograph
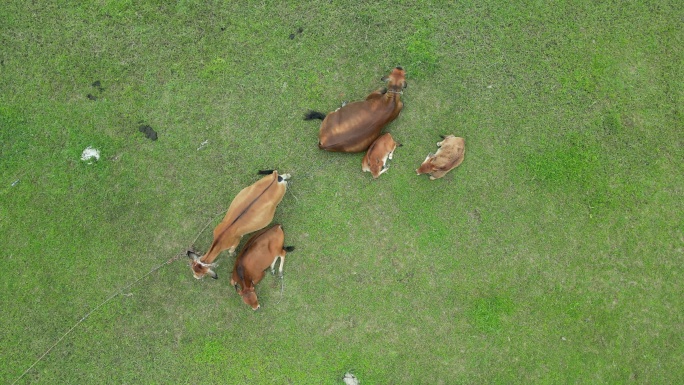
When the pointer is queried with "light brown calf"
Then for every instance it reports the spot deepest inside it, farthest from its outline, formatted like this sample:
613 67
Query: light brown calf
449 155
377 155
252 209
353 127
261 251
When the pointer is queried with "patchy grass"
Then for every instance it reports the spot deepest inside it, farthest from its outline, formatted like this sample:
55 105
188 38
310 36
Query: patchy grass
553 254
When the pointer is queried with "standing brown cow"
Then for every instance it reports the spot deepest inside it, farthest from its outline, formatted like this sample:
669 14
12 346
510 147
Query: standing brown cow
449 156
261 251
353 127
252 209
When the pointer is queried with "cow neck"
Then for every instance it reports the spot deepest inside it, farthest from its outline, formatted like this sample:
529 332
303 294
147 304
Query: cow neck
204 264
393 95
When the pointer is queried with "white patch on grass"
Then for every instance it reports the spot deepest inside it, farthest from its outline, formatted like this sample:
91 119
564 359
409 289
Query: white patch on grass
350 379
89 154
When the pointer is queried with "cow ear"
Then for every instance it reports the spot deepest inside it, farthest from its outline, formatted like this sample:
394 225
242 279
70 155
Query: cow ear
212 274
384 78
192 255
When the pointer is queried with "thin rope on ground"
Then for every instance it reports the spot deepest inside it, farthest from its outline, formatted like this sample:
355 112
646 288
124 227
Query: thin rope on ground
282 287
118 292
291 193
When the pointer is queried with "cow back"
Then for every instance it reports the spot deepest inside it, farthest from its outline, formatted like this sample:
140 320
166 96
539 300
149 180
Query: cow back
451 154
355 126
262 248
253 208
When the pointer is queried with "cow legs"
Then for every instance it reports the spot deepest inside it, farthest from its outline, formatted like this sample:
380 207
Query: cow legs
282 262
437 175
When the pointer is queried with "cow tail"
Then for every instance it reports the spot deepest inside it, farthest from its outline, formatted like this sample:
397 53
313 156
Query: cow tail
265 172
311 115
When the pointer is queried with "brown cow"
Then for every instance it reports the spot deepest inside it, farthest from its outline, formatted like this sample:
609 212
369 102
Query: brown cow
252 209
353 127
449 156
261 251
377 155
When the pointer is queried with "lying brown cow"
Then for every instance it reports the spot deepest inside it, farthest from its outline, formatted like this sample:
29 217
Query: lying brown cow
252 209
261 251
377 155
353 127
449 156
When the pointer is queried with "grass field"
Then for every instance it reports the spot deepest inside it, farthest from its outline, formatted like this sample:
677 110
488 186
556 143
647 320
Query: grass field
553 254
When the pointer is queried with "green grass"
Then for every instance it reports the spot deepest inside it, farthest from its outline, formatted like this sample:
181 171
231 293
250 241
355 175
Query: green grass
552 255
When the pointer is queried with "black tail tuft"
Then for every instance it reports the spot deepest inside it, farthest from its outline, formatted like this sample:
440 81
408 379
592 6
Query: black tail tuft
265 172
289 248
443 136
311 115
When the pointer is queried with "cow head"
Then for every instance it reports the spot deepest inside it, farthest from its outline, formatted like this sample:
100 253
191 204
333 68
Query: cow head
396 80
249 296
199 268
245 291
426 167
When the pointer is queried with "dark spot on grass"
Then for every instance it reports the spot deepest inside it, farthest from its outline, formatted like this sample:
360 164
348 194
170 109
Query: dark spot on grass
223 29
91 97
97 84
148 131
299 31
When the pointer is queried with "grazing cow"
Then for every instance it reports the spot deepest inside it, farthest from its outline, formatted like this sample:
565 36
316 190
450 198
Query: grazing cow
252 209
261 251
377 155
449 156
353 127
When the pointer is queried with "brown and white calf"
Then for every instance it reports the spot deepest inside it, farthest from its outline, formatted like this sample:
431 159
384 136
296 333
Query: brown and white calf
261 251
449 155
375 160
353 127
251 210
